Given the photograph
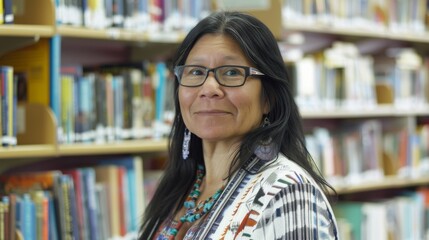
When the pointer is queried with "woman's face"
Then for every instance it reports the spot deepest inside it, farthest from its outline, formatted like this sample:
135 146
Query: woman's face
214 112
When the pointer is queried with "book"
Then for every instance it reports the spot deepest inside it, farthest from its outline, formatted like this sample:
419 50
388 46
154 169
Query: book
41 203
133 189
108 175
1 12
63 206
8 13
52 218
352 213
54 80
8 107
103 217
28 217
79 193
89 198
6 217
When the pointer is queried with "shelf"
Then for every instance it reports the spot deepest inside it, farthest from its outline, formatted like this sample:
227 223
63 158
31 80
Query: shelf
20 30
128 147
13 37
358 32
27 151
379 111
46 150
387 183
120 34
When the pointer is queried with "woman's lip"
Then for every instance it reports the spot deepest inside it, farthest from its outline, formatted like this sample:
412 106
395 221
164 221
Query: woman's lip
211 112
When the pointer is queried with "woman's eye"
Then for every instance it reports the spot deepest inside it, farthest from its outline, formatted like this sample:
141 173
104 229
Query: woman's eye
197 72
231 72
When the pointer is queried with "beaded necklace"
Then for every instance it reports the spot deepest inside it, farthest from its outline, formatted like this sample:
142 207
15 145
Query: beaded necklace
194 211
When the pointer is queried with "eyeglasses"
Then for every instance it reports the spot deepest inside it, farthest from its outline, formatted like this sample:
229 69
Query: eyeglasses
228 75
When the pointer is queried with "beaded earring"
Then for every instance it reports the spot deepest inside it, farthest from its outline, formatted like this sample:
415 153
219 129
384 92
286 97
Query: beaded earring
265 150
186 144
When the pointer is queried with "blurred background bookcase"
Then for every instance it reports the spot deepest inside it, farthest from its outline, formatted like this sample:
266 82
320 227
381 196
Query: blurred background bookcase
360 71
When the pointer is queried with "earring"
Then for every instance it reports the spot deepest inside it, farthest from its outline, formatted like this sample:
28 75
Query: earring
265 150
186 144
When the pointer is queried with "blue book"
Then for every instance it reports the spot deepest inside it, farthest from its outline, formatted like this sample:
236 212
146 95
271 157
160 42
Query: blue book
88 186
55 83
160 91
4 105
52 221
28 214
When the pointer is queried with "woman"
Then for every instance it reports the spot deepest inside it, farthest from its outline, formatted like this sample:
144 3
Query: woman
238 165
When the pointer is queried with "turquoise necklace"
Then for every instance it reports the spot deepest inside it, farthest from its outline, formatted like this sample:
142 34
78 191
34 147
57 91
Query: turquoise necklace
194 211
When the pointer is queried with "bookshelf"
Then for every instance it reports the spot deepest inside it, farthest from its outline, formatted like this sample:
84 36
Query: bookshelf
375 29
28 28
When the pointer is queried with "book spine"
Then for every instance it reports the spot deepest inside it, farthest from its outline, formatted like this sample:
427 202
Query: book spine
91 206
55 80
5 106
8 12
6 217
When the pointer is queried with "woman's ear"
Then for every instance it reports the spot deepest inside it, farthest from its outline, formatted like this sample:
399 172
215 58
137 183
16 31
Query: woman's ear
265 105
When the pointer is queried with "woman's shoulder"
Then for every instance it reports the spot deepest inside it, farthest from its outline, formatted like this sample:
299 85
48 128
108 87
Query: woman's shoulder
286 171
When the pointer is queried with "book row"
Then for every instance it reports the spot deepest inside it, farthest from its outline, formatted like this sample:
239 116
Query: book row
358 152
114 104
405 216
340 76
374 15
140 15
103 201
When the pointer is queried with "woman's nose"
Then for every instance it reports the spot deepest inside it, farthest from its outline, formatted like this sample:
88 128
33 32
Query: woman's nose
211 87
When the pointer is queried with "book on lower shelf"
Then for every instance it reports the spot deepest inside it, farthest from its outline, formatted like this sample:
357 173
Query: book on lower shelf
90 200
403 216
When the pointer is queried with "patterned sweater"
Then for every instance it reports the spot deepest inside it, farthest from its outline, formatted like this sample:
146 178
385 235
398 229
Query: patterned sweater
271 200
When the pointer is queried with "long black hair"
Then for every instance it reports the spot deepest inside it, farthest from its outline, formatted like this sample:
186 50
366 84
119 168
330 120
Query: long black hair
261 48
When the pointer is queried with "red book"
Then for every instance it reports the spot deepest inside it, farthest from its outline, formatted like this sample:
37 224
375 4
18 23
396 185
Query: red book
122 174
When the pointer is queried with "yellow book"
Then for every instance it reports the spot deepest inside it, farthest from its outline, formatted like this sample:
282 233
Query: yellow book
1 13
33 61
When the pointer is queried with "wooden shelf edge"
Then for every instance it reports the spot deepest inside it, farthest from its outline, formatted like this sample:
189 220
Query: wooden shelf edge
27 151
379 111
46 150
358 32
119 34
128 147
386 183
21 30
